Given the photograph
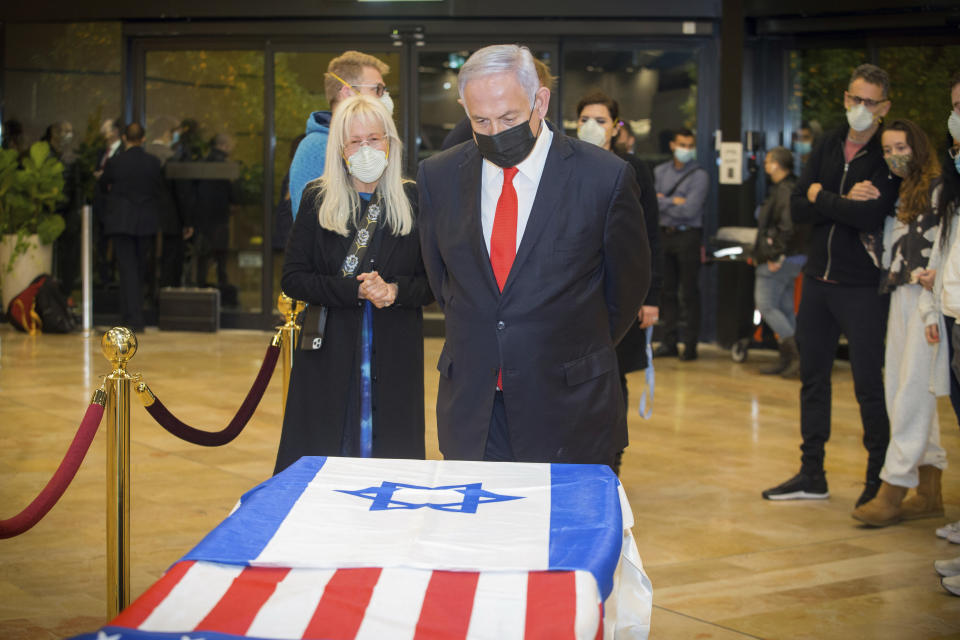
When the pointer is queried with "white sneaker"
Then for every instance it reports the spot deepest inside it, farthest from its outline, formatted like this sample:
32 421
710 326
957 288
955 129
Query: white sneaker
954 537
948 568
952 584
947 529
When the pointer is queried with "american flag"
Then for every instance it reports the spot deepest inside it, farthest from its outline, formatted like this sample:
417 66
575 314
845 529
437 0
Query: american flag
343 548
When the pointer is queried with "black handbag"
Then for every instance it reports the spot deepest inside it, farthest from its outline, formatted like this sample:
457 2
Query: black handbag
313 322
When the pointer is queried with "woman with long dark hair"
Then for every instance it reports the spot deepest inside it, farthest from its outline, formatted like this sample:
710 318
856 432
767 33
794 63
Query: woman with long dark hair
915 371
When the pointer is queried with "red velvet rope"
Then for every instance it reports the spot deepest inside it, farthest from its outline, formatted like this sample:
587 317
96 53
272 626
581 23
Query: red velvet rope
61 479
218 438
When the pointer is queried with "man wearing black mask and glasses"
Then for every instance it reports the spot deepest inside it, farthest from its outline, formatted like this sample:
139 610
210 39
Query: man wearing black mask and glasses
535 247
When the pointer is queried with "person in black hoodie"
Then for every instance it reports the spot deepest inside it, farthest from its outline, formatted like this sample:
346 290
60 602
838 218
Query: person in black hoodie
845 193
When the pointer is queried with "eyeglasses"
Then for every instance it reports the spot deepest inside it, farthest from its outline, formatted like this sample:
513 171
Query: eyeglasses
869 103
375 141
379 88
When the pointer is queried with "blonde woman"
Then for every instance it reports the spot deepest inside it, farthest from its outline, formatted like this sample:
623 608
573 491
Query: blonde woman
356 388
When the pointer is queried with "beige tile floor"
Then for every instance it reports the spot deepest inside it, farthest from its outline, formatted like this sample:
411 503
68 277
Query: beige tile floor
724 563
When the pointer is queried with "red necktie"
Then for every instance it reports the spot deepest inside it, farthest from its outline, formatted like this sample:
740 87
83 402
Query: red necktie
503 238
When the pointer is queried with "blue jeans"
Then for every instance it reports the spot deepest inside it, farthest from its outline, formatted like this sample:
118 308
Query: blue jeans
773 294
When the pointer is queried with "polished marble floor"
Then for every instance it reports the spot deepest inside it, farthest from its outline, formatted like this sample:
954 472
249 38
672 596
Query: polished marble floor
724 563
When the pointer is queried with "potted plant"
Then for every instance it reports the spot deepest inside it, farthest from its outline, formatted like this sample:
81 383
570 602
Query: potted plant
29 193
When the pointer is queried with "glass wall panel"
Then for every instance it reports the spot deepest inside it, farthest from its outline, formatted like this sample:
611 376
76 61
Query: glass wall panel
919 85
656 91
57 72
299 81
222 91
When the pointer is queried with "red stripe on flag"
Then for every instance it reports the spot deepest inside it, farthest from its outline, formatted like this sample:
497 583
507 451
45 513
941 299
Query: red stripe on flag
341 609
447 606
599 635
248 592
551 605
141 608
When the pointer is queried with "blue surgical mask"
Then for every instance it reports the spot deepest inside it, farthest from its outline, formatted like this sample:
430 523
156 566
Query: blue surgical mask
956 162
684 156
802 147
176 138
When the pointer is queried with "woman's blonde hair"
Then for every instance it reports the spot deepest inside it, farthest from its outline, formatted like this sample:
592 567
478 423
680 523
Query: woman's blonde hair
339 202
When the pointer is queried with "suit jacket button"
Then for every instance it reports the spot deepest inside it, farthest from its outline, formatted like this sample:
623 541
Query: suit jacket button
500 325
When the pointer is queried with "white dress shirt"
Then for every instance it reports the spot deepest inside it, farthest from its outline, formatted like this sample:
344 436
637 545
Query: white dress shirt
525 183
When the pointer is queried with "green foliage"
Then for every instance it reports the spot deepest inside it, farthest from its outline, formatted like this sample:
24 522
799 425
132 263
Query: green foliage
29 194
88 156
919 84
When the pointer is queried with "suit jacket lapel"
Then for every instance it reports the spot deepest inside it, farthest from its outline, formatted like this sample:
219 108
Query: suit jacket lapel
556 174
470 178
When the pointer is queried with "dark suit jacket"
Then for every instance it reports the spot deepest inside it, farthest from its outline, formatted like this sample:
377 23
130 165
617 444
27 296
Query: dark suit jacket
134 188
581 272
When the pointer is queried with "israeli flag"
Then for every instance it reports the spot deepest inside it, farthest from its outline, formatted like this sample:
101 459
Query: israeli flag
446 515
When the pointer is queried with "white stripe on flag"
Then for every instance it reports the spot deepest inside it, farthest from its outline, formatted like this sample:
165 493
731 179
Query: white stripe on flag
198 591
289 610
326 527
588 605
499 607
395 604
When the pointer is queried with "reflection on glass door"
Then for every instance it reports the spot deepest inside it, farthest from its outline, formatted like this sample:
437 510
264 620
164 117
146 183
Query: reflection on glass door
299 82
656 91
222 93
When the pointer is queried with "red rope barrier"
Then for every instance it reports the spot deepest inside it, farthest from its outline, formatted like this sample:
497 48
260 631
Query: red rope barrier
61 479
215 438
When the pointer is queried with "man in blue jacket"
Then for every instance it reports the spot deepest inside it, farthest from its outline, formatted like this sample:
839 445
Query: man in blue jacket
846 192
348 74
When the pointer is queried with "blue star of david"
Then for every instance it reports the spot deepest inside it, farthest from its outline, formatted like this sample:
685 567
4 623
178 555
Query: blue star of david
381 498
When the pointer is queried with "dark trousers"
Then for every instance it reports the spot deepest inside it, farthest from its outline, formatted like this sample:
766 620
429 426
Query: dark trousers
171 260
498 447
860 313
954 383
132 254
681 285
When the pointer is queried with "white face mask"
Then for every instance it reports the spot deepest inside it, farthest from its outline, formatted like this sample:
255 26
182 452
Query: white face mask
953 124
859 117
591 131
367 164
386 101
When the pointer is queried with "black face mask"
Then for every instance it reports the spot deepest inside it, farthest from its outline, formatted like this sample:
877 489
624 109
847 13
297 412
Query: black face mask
508 148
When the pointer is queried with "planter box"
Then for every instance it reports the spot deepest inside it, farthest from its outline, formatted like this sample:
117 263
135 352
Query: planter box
38 259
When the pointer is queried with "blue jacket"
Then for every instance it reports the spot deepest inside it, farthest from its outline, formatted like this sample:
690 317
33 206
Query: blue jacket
308 161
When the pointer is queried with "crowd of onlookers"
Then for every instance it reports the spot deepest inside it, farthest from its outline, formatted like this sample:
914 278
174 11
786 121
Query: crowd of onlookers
166 228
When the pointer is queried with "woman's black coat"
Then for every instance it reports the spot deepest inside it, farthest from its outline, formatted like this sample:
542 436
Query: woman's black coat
321 382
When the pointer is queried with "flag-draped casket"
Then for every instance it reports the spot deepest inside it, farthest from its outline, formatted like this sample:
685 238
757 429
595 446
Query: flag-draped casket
371 548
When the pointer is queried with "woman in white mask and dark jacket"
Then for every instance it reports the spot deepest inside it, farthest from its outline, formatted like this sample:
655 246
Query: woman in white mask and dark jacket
356 388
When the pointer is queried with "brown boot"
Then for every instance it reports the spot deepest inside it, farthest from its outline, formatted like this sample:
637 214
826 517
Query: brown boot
780 364
927 503
884 509
791 368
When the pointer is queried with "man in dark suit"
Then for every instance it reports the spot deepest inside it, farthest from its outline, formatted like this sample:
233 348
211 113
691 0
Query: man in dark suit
133 184
535 247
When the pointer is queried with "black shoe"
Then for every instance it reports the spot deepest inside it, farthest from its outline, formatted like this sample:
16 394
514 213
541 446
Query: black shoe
666 351
870 489
689 353
800 487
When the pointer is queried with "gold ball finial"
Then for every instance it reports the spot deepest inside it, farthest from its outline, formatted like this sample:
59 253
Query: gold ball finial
285 304
119 345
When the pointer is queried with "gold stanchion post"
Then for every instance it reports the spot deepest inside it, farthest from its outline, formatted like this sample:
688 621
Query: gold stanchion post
289 309
118 345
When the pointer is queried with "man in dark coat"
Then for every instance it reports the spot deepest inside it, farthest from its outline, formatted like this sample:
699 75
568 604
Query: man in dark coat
176 211
133 186
535 247
214 201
